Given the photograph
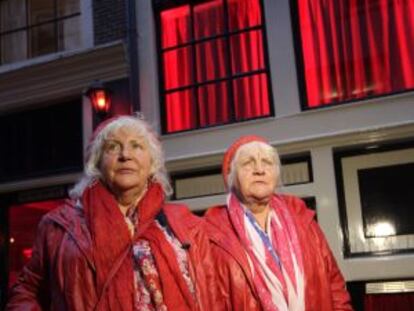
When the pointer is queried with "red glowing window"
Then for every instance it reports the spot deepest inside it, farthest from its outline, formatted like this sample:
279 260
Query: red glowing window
355 49
213 63
23 221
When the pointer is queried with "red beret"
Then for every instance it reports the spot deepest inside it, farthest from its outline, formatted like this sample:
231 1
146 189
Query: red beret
231 151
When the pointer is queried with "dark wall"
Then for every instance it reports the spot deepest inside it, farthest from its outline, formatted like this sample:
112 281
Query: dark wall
109 20
41 141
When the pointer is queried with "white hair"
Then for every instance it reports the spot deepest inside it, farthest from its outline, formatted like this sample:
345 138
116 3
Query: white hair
92 170
231 177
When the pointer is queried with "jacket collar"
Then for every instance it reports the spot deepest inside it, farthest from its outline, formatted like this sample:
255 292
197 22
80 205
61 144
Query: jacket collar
70 218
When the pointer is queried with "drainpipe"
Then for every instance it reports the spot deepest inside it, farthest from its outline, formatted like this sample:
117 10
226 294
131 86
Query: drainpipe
132 54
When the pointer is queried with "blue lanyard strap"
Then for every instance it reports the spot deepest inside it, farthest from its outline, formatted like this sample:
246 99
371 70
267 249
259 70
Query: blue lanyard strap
264 237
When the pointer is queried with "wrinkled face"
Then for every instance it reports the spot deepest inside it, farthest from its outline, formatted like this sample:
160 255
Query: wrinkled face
256 174
126 161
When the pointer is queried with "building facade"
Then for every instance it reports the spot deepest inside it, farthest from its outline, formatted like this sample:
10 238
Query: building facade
330 85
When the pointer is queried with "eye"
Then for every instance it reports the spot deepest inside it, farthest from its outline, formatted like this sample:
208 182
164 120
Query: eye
112 147
268 162
246 162
136 145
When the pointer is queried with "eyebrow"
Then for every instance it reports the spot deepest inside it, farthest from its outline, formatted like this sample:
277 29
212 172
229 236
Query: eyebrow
140 140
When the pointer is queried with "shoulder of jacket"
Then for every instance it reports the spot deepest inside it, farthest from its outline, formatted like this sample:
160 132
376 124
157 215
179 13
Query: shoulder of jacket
66 215
215 212
180 213
176 210
297 207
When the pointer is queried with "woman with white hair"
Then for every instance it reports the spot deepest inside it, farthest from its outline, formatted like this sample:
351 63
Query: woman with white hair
116 245
270 254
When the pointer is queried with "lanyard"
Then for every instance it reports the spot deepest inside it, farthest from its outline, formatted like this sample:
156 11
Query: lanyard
264 237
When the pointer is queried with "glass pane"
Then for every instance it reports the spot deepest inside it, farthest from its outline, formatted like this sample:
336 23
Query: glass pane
211 60
23 221
40 11
386 200
13 47
42 40
247 52
178 69
355 49
68 7
208 19
69 34
179 111
175 26
244 14
251 99
213 104
12 14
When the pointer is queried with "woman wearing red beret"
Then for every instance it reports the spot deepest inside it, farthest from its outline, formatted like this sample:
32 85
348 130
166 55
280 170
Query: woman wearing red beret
270 253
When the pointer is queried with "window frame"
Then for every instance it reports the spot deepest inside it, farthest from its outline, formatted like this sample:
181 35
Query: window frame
345 222
162 5
300 70
55 21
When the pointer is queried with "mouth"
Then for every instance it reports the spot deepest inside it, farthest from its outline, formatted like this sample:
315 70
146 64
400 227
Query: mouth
259 182
125 171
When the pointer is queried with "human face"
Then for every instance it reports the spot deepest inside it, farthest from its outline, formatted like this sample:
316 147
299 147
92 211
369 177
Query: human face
126 161
256 174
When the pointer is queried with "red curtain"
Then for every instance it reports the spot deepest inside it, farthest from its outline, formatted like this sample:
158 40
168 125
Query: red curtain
389 302
356 48
199 78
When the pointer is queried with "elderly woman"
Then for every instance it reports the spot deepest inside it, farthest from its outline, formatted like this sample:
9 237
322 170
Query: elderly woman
270 253
117 245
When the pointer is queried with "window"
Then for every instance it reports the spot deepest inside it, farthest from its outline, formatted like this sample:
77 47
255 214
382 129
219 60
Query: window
355 49
23 221
30 28
41 142
214 66
374 194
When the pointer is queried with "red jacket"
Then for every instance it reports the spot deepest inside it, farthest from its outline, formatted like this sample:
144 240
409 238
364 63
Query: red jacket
324 285
61 274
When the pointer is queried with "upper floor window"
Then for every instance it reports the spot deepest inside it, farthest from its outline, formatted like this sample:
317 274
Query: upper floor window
30 28
214 65
355 49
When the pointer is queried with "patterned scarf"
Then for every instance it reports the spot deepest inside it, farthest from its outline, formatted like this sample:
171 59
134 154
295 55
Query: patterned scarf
112 253
275 257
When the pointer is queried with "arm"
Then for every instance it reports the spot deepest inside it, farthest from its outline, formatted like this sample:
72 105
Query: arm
340 296
26 294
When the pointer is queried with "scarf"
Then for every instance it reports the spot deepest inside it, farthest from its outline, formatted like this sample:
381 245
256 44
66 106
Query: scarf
275 258
112 242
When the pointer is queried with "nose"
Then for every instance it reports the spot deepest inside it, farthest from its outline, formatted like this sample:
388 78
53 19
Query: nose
125 153
259 168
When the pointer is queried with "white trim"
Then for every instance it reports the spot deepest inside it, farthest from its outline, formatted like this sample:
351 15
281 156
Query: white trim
282 60
350 167
62 78
87 123
87 31
390 287
147 63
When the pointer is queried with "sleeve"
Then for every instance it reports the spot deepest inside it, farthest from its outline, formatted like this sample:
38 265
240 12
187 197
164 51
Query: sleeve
341 300
28 292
